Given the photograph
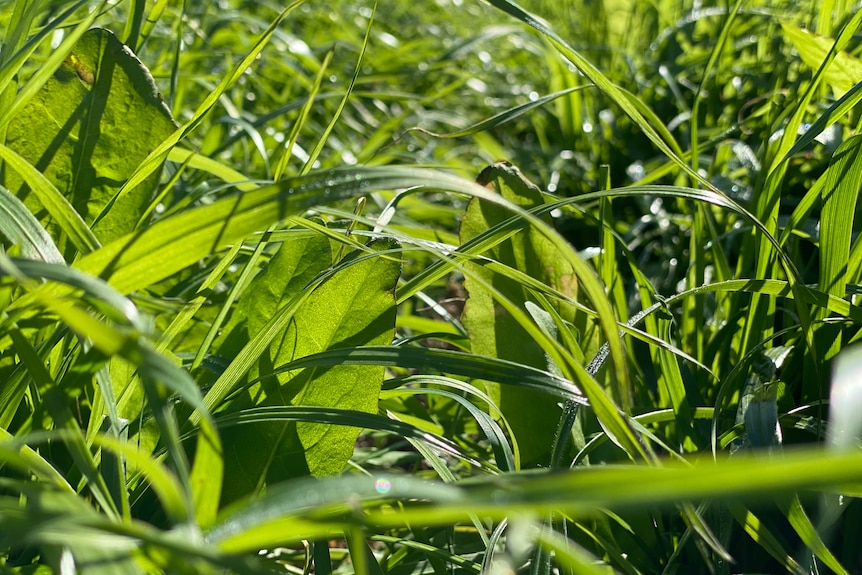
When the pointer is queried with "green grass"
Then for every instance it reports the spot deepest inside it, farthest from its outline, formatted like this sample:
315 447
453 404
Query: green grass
458 287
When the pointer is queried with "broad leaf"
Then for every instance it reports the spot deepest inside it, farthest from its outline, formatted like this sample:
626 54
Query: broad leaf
492 331
355 307
88 129
288 272
841 75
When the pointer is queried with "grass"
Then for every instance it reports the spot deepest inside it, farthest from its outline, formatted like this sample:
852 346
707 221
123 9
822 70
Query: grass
458 288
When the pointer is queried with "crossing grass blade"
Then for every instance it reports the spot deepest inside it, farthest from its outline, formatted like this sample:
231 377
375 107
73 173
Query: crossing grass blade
23 229
55 204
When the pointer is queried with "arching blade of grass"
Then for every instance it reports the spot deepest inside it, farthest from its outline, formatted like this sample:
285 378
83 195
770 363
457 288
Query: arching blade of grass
144 258
246 526
21 228
506 460
503 117
578 492
445 361
581 491
14 452
95 292
331 416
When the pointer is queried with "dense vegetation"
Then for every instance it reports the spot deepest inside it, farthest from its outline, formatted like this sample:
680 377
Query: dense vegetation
450 287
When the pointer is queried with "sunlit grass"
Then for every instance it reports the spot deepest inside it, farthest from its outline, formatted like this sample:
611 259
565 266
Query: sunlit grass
664 287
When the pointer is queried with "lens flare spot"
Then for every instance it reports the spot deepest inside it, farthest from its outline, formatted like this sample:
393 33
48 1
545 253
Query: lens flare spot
382 485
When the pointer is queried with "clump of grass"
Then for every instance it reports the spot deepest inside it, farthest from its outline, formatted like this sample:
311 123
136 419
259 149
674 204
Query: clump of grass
328 342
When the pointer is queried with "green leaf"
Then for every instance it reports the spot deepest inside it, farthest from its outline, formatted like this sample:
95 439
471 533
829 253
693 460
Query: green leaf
839 205
151 164
291 269
843 72
354 307
12 66
495 333
88 129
